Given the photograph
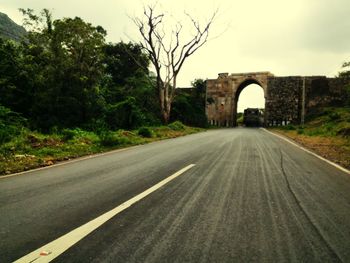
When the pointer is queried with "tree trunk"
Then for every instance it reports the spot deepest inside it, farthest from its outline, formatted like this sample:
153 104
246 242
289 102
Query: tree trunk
174 54
165 103
165 107
165 116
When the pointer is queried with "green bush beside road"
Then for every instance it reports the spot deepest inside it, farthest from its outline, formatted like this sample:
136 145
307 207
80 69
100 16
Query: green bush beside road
29 149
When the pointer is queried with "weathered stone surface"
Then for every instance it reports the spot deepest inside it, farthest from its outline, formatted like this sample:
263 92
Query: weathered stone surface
282 104
284 99
223 92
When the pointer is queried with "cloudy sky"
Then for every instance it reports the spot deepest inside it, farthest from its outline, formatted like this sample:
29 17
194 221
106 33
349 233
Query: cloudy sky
299 37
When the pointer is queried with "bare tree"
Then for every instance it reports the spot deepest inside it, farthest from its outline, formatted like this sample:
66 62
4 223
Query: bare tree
166 52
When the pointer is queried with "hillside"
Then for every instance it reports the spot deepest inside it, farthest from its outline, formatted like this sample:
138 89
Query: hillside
9 29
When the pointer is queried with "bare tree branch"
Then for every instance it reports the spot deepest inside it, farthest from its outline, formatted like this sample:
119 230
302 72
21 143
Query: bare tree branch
169 57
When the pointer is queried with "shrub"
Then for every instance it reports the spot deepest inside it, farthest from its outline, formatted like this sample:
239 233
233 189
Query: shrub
289 127
11 124
68 134
125 115
300 131
177 126
7 132
345 132
97 125
79 135
334 116
145 132
108 139
315 132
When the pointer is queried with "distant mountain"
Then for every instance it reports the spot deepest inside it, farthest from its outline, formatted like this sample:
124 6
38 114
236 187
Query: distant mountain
9 29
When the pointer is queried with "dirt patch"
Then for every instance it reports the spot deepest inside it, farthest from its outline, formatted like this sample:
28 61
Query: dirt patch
335 149
36 142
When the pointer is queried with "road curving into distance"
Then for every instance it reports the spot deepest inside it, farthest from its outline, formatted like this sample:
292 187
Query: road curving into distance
238 195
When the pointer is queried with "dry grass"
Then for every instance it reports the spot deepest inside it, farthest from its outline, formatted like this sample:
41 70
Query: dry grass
335 149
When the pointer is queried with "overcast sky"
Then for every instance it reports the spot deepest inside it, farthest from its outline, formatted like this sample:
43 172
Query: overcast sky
299 37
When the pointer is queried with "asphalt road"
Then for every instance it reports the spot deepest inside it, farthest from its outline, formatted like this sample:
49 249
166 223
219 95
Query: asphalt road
251 197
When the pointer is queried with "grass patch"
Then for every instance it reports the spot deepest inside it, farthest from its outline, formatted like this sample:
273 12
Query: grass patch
29 149
328 134
177 126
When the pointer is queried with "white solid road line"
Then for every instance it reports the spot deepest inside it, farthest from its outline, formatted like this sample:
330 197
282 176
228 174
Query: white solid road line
308 151
53 249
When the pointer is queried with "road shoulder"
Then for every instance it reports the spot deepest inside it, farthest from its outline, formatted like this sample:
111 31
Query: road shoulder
327 149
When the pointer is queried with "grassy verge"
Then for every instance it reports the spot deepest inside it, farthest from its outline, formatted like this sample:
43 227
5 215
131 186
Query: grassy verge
327 134
31 150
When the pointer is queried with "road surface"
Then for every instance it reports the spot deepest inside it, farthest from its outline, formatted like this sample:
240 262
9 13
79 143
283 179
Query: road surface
251 197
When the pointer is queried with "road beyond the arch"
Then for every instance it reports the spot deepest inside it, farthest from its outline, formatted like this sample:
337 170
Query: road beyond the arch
227 195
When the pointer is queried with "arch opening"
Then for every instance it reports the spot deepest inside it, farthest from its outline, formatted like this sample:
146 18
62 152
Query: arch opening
250 104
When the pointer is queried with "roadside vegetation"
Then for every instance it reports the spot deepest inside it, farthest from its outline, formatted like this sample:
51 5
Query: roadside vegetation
327 130
30 149
240 118
66 92
326 133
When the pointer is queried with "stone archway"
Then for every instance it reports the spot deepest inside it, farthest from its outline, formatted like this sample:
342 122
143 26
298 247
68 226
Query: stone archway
222 95
288 99
248 81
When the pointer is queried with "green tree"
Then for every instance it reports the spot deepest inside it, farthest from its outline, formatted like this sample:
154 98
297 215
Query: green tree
189 105
345 73
65 75
17 75
70 53
11 124
9 68
125 114
128 77
125 61
79 62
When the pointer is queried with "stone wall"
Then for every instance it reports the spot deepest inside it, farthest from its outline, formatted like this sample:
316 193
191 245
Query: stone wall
284 101
219 102
325 92
282 104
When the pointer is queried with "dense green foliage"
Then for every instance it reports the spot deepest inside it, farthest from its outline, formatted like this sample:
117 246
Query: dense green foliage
129 91
65 92
345 73
11 124
240 117
145 132
65 75
189 105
